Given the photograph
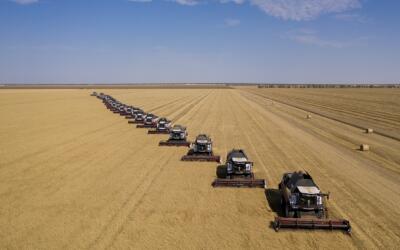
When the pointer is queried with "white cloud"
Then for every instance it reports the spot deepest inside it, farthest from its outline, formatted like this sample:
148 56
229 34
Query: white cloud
186 2
299 10
232 1
232 22
25 2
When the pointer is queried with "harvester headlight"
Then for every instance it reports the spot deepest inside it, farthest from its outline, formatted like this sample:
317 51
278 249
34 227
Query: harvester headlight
209 147
319 200
248 167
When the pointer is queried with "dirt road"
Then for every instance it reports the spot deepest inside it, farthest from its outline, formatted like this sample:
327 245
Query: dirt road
73 175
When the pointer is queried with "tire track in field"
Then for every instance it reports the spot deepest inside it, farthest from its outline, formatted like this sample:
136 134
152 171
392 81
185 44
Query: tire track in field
310 158
327 116
245 132
61 144
138 149
209 114
361 233
189 107
268 140
47 100
120 225
332 136
186 110
165 105
118 221
57 168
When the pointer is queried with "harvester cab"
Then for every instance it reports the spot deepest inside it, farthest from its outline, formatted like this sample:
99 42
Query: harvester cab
201 150
304 205
162 126
237 172
177 137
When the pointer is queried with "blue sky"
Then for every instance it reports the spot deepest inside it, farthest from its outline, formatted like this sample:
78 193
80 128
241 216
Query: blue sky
122 41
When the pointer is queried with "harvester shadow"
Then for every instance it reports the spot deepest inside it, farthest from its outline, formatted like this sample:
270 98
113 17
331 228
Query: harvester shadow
273 197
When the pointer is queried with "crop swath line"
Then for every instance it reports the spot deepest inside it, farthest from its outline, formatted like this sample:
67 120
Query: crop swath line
118 221
327 116
197 103
350 191
245 132
46 149
323 133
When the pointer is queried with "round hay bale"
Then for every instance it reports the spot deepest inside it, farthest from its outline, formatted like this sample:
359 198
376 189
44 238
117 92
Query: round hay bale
364 147
308 116
369 130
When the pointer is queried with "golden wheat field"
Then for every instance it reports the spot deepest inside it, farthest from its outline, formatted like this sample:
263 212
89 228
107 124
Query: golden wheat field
73 175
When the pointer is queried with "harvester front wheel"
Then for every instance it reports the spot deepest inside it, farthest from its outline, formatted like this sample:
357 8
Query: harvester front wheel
222 172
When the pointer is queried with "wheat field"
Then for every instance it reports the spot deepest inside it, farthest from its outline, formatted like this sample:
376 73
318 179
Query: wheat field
73 175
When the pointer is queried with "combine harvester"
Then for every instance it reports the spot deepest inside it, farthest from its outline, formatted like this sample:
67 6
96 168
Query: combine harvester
177 137
114 107
127 111
102 96
237 172
162 127
133 113
94 93
201 150
139 118
121 109
150 121
304 205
